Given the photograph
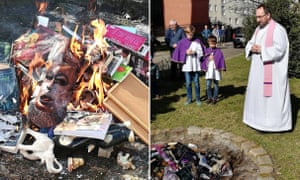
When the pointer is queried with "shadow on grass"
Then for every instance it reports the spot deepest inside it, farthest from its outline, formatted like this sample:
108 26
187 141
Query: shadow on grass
166 87
228 91
295 101
162 106
167 84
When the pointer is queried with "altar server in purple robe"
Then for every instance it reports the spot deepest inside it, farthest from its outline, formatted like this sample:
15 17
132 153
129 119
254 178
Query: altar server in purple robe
213 64
189 52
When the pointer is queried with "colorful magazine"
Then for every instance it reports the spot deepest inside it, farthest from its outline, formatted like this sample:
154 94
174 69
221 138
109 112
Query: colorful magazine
90 125
121 72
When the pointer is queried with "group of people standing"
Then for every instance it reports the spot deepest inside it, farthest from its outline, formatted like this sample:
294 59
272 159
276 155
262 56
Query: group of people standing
218 32
192 56
267 104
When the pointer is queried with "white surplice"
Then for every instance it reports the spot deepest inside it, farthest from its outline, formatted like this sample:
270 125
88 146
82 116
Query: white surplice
212 72
268 113
193 63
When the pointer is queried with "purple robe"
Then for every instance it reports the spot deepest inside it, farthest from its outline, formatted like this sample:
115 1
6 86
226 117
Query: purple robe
218 57
179 54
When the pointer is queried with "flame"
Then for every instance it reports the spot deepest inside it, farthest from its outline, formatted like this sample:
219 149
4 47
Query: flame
95 82
24 100
75 46
99 86
29 84
41 6
89 77
99 41
99 32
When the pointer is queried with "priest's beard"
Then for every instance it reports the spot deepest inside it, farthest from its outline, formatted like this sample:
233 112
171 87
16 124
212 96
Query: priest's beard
262 25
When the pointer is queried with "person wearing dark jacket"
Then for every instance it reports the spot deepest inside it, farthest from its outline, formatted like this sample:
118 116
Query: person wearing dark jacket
173 35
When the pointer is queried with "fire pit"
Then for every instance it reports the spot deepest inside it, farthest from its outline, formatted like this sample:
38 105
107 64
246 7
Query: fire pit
247 159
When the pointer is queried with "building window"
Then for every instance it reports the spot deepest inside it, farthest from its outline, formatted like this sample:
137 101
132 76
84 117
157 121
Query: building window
216 8
236 10
213 20
230 21
236 21
210 7
223 10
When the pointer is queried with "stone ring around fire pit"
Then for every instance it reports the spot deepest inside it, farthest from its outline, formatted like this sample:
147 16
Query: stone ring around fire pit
251 161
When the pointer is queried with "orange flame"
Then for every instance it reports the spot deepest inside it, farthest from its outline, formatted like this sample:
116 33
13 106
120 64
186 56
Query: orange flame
99 32
88 81
27 88
24 100
95 82
75 46
99 86
41 6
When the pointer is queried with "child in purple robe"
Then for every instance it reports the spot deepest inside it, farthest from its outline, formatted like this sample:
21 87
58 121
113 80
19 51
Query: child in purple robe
189 52
212 65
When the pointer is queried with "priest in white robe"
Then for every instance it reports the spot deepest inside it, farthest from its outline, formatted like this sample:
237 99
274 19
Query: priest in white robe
267 103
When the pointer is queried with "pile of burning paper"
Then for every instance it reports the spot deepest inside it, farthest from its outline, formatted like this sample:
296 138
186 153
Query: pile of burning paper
179 161
63 79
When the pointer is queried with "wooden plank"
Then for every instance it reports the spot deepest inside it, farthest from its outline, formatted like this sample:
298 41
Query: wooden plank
129 101
123 116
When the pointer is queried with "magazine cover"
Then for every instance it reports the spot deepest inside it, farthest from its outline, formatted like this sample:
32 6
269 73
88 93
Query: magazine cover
91 126
121 72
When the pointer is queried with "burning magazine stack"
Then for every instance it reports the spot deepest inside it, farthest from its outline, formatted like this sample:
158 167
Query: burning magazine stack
68 84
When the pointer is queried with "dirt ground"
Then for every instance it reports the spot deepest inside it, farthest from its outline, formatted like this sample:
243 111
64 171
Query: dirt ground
14 166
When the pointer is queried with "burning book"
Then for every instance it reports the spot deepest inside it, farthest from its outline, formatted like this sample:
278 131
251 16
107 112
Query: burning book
57 74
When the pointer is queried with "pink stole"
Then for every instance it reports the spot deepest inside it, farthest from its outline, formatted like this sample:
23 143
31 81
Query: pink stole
268 64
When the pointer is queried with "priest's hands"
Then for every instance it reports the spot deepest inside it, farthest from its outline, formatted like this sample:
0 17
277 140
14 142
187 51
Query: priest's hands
256 49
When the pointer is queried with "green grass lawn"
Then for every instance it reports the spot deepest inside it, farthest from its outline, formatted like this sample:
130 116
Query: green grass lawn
169 112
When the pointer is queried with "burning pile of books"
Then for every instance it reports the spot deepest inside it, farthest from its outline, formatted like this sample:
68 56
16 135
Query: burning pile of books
60 72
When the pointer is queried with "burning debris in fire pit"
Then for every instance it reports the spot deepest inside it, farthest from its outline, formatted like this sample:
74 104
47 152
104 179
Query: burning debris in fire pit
179 161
